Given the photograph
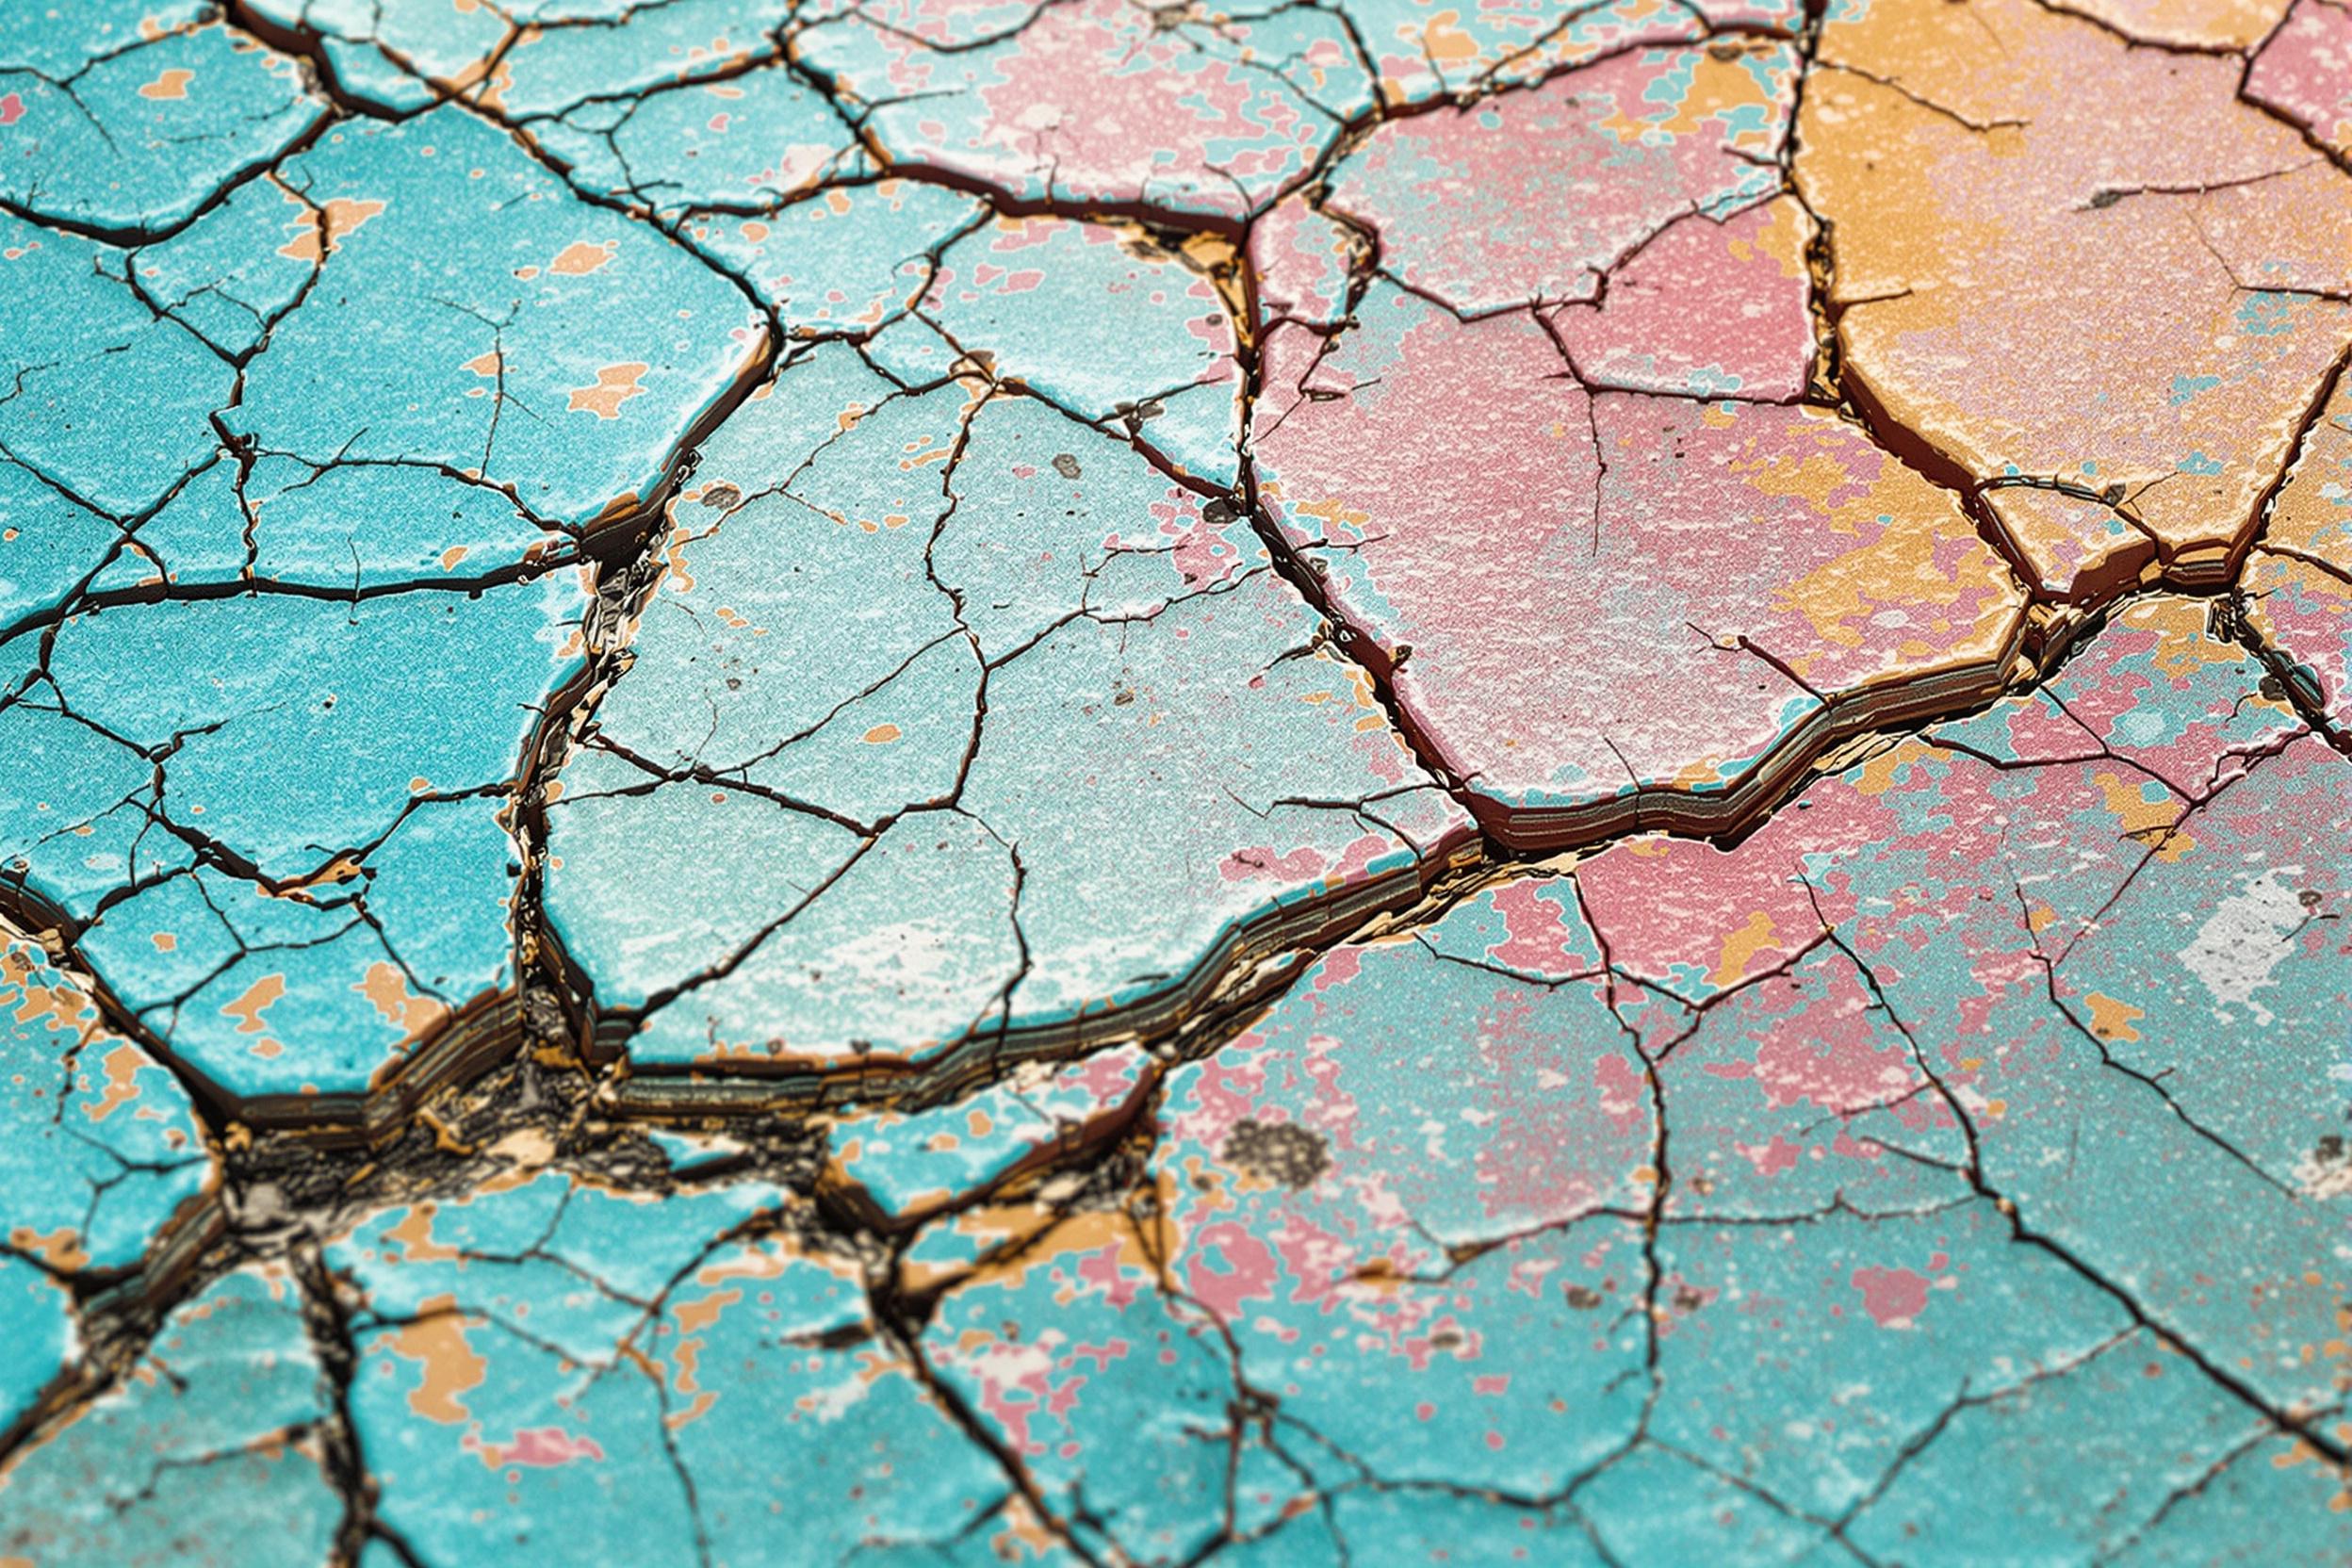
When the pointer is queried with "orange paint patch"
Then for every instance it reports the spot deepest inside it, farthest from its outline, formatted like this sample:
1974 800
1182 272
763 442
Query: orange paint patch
413 1236
693 1319
580 258
171 85
387 989
1444 42
344 216
2111 1020
452 1367
2142 818
882 734
616 385
247 1010
60 1248
119 1067
1741 946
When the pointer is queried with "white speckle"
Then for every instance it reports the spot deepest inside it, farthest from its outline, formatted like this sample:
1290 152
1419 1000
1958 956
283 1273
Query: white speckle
2323 1178
2236 950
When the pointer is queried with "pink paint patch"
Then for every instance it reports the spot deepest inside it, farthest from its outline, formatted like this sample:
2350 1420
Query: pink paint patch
1537 935
1622 1098
545 1447
1705 308
1894 1298
2304 72
1487 173
1339 966
1228 1268
1358 857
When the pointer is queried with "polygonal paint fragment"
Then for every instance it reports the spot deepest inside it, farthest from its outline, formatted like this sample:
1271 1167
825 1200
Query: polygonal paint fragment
209 1452
551 1358
398 56
527 60
748 139
286 904
1707 308
2304 72
1424 49
949 728
2074 546
1536 197
55 44
904 1165
415 654
608 339
1102 103
1540 569
103 1154
848 261
103 1170
2216 24
1102 325
2093 267
137 140
233 272
1303 260
2298 585
71 318
364 527
566 53
50 545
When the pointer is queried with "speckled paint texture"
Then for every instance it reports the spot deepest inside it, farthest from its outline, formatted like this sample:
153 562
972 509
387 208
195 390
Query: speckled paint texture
1068 782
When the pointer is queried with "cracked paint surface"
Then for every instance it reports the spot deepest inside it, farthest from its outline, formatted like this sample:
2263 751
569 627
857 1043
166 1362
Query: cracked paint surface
106 1165
1286 783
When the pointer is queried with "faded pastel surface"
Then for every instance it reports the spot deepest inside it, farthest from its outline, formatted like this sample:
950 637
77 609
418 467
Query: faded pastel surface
1285 784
